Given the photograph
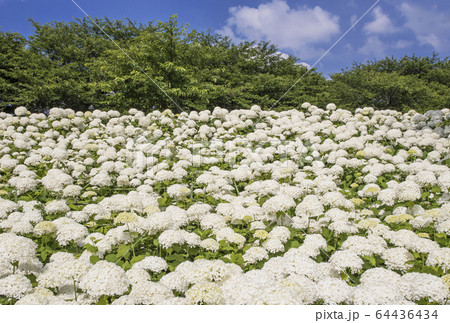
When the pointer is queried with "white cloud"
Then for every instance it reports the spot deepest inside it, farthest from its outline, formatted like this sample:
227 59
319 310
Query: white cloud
381 23
373 47
282 55
428 24
304 64
400 44
300 30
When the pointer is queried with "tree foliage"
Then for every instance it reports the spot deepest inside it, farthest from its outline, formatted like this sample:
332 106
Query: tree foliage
75 65
419 83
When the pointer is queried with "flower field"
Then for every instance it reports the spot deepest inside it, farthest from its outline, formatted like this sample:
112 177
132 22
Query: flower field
307 206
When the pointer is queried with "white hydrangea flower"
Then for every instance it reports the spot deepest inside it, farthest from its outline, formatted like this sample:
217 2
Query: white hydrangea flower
17 249
210 244
58 274
309 207
150 293
415 286
56 180
72 191
105 278
334 291
397 258
343 259
178 191
273 245
152 263
100 153
204 293
20 111
439 257
278 203
57 206
15 286
408 191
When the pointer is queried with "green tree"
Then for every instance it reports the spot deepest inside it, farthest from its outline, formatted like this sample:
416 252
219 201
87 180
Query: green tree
419 83
76 65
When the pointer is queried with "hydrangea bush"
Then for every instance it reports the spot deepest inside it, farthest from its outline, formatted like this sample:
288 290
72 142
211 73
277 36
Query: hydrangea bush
307 206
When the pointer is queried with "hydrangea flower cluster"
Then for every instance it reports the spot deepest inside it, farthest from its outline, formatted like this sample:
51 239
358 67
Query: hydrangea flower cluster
305 206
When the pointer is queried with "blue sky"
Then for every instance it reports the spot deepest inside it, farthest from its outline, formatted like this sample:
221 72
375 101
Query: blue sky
305 29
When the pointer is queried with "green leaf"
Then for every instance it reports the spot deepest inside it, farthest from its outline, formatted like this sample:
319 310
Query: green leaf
260 265
435 189
371 260
126 265
136 259
103 300
44 255
175 257
211 200
177 248
226 260
122 250
237 258
73 206
162 201
111 258
326 233
193 251
90 248
94 259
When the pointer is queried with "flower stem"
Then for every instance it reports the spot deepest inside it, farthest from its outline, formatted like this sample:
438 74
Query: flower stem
75 290
132 239
236 187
